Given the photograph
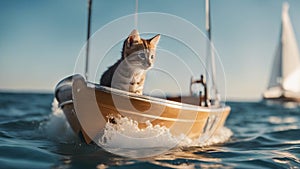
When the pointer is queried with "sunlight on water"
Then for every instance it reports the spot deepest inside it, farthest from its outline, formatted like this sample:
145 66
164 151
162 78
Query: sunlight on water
280 120
283 123
40 137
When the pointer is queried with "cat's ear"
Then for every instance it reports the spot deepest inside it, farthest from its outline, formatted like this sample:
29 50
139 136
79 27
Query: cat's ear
133 38
154 41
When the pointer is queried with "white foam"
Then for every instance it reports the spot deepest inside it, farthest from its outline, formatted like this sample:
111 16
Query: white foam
57 128
220 136
127 134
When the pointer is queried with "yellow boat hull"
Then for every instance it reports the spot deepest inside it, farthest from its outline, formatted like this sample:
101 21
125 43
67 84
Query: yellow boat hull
88 107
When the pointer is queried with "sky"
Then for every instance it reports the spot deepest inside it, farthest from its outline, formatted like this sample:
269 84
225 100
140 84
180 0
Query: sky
40 41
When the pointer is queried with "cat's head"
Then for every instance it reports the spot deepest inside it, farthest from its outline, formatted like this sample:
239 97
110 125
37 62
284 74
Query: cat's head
140 53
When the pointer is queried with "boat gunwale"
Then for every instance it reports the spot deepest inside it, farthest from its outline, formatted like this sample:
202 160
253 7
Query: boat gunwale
65 103
165 102
173 104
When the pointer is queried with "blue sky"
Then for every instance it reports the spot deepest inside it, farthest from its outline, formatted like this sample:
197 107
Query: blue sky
40 40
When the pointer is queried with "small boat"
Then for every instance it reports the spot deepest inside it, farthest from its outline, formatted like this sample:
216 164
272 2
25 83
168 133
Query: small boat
88 107
284 84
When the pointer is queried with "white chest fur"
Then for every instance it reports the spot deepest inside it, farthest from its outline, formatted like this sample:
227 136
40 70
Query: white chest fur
128 78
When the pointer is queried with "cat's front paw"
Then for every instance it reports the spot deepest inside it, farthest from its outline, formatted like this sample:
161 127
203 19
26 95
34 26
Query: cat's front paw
138 92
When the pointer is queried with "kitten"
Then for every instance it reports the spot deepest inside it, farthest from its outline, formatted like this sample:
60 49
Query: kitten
129 72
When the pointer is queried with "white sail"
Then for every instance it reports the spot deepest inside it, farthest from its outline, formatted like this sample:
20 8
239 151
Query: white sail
286 66
290 54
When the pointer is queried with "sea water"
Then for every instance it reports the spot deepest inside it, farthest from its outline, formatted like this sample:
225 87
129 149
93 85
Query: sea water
34 134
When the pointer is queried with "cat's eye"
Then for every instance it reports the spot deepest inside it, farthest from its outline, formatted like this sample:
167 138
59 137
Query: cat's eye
152 56
142 55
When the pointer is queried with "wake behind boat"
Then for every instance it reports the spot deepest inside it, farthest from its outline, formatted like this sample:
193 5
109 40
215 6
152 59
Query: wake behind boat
284 84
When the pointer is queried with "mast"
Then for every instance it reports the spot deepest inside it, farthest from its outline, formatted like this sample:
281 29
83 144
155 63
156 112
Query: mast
136 14
87 39
211 56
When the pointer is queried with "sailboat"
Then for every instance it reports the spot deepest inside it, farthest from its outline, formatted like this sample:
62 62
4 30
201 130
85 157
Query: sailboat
284 84
89 106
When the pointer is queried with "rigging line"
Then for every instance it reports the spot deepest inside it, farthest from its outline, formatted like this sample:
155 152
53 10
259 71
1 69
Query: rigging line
87 38
136 14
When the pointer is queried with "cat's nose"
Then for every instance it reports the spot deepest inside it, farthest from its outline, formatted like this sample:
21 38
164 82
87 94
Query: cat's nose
148 63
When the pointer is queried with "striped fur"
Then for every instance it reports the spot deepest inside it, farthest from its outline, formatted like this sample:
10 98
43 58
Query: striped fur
129 72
